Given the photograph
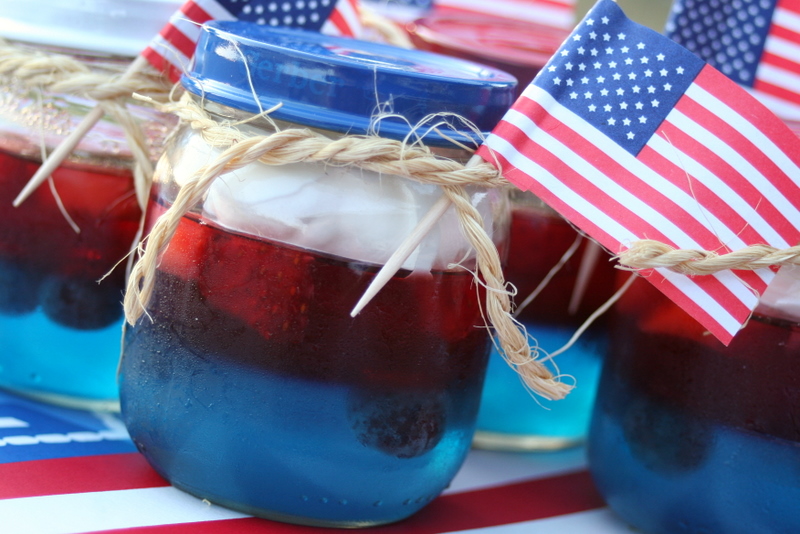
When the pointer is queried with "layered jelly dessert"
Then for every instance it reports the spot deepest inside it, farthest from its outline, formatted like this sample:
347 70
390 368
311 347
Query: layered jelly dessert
60 292
510 417
247 382
691 436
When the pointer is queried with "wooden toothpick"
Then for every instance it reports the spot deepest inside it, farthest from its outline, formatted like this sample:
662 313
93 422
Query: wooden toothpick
51 163
408 246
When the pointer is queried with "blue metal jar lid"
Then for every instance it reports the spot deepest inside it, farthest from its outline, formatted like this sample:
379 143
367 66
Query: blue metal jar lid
339 84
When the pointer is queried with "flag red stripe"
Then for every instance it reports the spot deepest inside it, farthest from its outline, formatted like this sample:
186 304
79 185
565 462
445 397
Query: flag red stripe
611 168
622 175
525 5
728 92
689 305
556 164
777 91
511 503
155 59
788 34
712 161
77 475
780 62
340 23
179 40
521 180
709 200
195 13
777 132
789 5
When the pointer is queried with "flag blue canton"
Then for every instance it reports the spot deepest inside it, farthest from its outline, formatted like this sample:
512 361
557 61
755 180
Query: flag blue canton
620 77
729 35
307 14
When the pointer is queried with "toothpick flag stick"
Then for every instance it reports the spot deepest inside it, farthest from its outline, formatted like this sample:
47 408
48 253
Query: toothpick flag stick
173 47
591 254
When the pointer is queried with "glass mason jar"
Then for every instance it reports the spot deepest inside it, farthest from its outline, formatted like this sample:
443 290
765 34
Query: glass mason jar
247 382
519 47
59 326
539 239
691 436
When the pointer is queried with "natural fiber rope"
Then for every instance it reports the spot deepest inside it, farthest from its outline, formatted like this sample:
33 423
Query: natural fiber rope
62 74
381 155
649 254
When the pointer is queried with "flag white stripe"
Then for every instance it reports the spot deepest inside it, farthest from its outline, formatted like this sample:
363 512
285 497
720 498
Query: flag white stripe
214 9
191 30
486 469
747 129
627 160
787 19
585 169
785 109
165 49
587 209
709 304
782 47
558 16
550 182
349 13
106 510
779 77
720 187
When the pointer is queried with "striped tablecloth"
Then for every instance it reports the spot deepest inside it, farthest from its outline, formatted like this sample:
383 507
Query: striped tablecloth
66 471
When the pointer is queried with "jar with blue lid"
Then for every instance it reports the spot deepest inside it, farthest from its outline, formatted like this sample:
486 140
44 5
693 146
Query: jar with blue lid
244 379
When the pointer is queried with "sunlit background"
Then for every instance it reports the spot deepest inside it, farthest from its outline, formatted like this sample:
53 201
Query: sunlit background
651 13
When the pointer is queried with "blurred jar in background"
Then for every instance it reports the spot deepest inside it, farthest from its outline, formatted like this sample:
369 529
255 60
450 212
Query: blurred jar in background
59 324
516 46
691 436
510 418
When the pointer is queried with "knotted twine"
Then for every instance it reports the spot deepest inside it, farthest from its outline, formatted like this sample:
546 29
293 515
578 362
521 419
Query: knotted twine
385 156
102 82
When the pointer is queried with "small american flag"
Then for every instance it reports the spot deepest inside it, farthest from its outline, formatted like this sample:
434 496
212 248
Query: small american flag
756 43
556 13
171 50
631 136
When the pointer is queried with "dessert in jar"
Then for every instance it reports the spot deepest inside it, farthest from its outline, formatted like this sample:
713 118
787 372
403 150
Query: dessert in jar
60 293
246 381
691 436
538 241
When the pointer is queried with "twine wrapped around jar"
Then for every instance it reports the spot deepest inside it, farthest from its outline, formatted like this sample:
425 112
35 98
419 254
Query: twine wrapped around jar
102 82
373 153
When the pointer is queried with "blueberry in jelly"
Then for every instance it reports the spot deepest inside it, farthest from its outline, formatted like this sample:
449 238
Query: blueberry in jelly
79 303
664 439
19 289
402 424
